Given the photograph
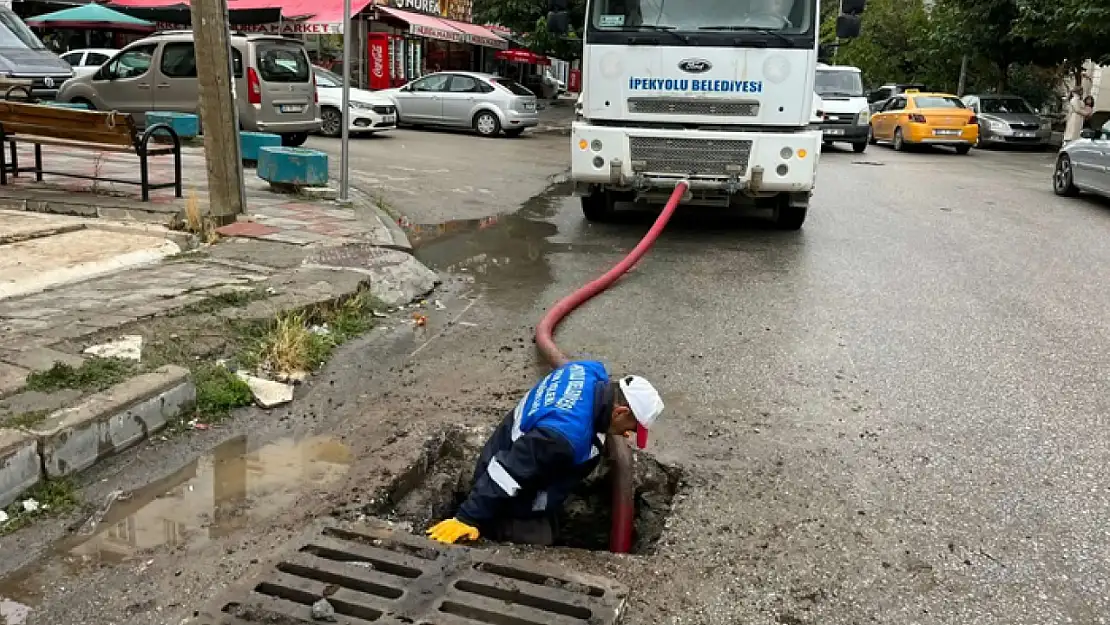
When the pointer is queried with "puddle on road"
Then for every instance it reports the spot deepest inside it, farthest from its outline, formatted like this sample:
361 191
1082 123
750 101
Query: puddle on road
501 251
205 500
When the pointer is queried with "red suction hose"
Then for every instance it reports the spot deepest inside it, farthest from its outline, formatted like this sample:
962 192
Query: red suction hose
620 538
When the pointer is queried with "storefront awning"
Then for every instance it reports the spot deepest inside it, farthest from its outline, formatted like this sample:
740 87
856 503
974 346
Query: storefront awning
479 35
517 55
292 16
426 25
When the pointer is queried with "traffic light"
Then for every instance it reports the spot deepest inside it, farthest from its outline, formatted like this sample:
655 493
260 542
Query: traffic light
850 20
558 17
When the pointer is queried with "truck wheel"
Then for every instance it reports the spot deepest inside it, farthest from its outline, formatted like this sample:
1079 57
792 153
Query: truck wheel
963 149
789 216
599 206
858 148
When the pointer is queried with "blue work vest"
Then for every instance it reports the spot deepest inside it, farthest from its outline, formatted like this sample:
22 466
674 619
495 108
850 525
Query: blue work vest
565 402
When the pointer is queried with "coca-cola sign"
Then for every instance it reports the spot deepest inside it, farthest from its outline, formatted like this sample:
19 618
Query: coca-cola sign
380 74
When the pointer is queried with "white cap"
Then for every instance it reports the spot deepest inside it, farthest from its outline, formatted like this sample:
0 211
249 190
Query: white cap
642 398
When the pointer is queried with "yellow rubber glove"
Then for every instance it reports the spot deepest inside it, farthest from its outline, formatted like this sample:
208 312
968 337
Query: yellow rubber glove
451 530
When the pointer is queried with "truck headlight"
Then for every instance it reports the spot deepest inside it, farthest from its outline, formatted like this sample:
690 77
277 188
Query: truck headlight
864 117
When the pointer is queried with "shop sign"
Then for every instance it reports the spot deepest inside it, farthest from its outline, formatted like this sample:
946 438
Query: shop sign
282 28
432 32
428 7
488 42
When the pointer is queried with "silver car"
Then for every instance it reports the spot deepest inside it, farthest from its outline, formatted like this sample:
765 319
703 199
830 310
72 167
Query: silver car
1084 164
487 103
1008 120
273 82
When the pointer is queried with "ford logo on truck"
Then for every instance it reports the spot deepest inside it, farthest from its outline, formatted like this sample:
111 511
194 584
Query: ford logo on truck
695 66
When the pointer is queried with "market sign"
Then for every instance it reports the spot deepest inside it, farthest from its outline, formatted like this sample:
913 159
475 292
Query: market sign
432 32
427 7
275 28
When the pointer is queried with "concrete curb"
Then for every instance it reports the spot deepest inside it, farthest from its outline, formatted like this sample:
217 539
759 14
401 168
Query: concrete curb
20 464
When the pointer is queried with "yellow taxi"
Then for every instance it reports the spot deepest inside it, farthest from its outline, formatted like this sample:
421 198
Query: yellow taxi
917 118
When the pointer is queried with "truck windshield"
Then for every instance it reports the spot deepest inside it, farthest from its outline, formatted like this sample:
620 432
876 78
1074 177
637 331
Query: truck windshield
15 34
776 17
832 83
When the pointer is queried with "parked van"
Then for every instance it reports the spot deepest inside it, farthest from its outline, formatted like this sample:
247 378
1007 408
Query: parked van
846 113
276 93
23 56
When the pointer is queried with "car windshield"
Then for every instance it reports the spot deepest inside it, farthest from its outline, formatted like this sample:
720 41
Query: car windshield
938 102
324 78
839 83
15 34
1002 106
778 16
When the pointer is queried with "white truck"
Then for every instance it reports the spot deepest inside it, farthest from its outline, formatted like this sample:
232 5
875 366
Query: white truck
845 111
715 92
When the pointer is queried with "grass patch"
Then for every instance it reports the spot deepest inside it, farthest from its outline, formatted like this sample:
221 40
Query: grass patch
54 497
219 391
95 374
302 341
25 419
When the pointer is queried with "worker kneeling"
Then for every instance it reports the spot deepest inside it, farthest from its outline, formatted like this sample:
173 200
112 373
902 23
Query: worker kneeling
551 441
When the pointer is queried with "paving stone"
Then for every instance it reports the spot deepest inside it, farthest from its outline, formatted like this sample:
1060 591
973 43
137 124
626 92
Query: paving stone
246 229
39 358
11 378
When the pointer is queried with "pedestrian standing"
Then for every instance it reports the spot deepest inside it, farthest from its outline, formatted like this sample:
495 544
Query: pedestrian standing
1078 114
1087 111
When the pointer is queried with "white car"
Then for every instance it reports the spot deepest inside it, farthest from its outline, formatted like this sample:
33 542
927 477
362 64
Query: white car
369 111
88 60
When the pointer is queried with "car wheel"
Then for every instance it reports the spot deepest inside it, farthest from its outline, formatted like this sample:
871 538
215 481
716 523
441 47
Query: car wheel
487 124
899 140
514 132
599 206
294 139
871 135
963 149
1063 182
331 122
858 148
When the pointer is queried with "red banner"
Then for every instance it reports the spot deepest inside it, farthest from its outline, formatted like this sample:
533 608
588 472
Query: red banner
379 63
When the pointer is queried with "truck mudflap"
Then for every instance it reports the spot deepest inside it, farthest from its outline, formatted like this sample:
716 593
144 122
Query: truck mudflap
644 160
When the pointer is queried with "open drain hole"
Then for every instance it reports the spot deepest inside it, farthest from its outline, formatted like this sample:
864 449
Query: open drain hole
304 597
433 488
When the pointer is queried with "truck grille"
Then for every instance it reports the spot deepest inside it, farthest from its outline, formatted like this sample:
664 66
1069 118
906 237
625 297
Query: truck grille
694 106
694 157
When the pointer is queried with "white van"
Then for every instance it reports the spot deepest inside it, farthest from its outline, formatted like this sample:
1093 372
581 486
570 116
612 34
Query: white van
846 113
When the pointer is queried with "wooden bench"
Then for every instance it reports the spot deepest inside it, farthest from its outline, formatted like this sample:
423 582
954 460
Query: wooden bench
84 130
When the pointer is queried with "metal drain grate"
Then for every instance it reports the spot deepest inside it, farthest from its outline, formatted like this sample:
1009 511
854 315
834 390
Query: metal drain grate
371 574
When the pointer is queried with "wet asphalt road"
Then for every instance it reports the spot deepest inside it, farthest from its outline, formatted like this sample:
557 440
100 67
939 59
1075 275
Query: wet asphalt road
896 415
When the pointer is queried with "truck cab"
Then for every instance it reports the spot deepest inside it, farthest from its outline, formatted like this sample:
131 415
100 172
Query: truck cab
845 107
707 92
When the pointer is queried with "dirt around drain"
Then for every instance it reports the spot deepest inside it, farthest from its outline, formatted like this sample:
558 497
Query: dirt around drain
433 488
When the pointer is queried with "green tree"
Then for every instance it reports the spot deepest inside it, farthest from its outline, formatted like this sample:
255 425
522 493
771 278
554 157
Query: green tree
893 45
1071 30
528 18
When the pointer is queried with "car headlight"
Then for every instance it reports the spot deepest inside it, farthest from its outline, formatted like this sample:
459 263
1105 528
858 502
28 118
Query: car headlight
999 126
360 105
864 117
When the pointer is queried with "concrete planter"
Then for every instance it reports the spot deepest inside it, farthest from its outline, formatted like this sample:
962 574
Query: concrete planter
295 167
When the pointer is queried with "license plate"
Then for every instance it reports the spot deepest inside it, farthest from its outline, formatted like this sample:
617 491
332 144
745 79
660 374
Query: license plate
834 131
291 108
1024 134
946 133
389 119
529 106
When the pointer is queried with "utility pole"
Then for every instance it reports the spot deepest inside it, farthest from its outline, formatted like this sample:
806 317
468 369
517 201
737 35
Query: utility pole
963 77
345 116
219 112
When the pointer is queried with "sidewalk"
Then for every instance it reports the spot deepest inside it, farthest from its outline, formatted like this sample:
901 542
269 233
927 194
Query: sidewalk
83 264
